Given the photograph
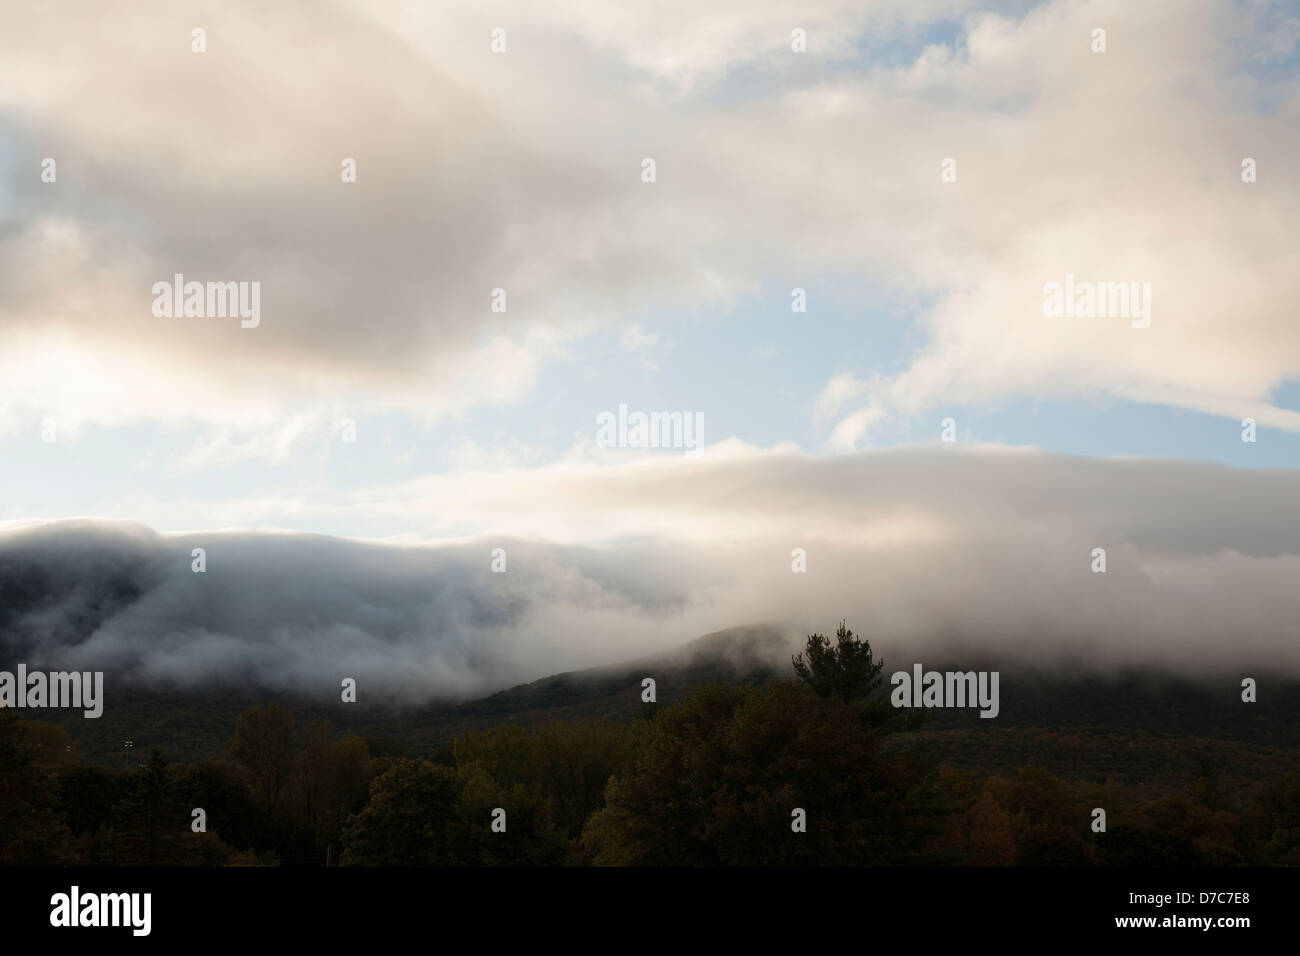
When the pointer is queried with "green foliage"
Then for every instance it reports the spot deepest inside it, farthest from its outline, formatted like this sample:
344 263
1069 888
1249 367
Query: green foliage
263 748
332 781
566 764
231 808
1131 845
1275 821
151 817
723 771
709 778
846 670
531 837
87 796
31 832
406 821
152 822
380 747
54 745
1051 827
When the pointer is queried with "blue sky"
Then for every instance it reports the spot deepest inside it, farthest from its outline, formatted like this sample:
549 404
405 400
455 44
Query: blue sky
777 170
762 391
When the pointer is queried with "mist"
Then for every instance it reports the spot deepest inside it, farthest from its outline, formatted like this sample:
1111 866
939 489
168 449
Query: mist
983 553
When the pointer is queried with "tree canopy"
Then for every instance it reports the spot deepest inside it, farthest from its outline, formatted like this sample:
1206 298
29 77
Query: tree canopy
846 669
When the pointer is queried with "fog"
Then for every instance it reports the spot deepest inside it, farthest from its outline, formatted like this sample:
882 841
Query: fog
926 551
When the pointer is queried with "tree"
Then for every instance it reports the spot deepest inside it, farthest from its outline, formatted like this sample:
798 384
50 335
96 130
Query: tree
152 820
531 837
406 822
333 778
992 838
1275 819
847 670
54 744
312 769
263 748
87 796
724 772
31 833
1050 824
567 762
348 772
217 788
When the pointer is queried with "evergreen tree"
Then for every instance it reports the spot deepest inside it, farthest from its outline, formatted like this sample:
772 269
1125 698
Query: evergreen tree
846 670
152 820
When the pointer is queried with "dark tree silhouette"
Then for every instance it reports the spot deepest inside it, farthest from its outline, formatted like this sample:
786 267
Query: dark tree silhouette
152 820
846 670
263 749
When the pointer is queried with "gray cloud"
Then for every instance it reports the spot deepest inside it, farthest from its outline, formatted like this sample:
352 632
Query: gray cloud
921 549
300 612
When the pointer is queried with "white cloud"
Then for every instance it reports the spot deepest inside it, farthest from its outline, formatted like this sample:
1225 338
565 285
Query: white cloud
840 389
635 338
849 433
1123 165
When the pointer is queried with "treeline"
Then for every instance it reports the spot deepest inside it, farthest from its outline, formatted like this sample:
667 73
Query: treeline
799 772
712 780
280 797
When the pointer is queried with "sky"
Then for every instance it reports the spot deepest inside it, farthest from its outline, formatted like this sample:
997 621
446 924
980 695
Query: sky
438 340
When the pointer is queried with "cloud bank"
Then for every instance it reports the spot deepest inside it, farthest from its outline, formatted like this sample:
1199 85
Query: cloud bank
984 551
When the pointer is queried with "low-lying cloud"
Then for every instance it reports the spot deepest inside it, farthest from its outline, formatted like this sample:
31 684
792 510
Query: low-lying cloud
986 551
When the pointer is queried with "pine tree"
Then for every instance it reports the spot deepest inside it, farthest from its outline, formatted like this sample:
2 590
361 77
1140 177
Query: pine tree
152 820
847 670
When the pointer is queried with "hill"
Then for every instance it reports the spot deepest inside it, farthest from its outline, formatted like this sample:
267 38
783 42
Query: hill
1148 730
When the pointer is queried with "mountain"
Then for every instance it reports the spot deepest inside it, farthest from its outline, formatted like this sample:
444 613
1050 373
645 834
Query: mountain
1150 730
189 724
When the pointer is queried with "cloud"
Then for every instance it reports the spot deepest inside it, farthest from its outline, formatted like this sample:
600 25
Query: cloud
843 388
1117 166
635 338
850 430
225 165
224 448
989 550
